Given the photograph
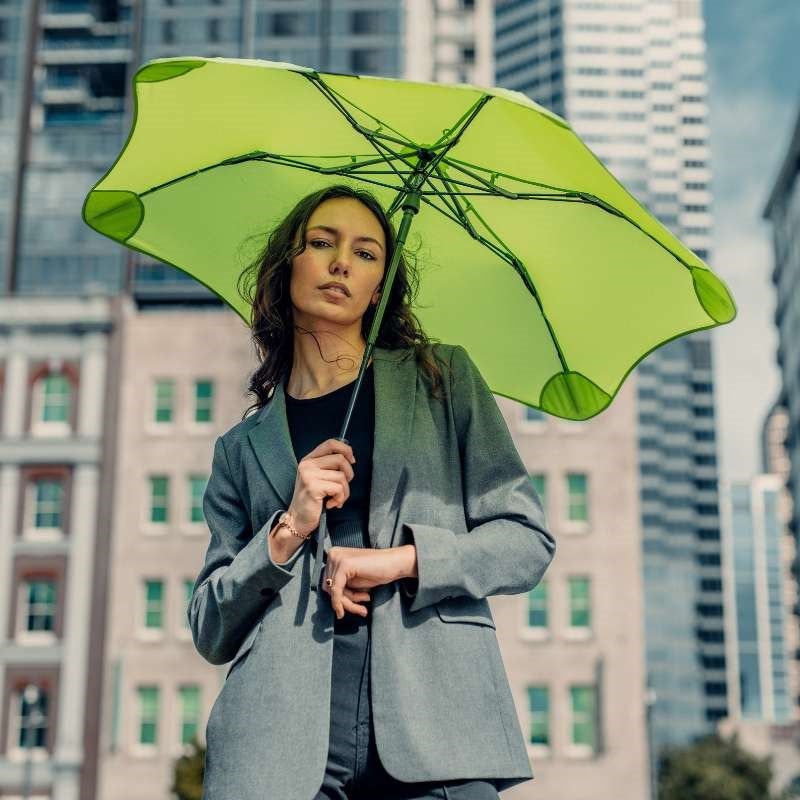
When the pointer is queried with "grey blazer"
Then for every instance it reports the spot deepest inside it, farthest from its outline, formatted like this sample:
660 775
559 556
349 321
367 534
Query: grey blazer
447 478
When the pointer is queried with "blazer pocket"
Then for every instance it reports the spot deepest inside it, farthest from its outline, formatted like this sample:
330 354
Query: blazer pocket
465 609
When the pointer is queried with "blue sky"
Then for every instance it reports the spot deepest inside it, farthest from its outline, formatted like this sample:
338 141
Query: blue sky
754 96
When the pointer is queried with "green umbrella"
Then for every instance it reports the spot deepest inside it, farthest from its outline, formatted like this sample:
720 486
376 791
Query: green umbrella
533 256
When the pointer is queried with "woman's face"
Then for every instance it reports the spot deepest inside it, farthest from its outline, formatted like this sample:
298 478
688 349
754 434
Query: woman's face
344 243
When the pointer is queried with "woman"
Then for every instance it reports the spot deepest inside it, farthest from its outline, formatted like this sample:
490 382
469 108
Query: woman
387 681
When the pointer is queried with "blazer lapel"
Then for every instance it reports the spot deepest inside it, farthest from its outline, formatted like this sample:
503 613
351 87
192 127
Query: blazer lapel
395 380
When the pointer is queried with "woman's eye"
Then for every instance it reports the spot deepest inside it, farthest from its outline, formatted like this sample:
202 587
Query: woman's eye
322 241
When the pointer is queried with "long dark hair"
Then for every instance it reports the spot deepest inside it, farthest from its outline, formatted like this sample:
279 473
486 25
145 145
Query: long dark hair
264 285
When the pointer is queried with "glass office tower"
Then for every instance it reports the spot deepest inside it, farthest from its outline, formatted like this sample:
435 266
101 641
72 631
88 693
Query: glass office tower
759 616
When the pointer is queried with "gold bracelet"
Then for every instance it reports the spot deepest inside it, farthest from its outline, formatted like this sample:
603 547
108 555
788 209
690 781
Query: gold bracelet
285 520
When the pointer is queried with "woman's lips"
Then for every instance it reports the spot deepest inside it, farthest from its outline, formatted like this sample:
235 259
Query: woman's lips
334 293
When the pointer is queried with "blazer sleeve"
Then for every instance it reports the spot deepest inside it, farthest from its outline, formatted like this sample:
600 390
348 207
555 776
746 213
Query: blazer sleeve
508 547
239 577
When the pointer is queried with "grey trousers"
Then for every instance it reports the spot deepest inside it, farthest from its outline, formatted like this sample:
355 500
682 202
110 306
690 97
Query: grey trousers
354 770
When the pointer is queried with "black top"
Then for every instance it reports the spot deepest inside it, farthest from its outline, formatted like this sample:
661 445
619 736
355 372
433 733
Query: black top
315 419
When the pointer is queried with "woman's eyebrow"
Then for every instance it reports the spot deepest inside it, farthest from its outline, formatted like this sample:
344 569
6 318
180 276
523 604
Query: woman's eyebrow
335 232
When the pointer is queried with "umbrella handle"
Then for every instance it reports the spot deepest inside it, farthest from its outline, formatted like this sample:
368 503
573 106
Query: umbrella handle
322 533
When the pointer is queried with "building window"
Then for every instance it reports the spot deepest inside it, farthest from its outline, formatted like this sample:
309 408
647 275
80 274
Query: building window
289 23
197 487
539 715
159 498
55 398
577 499
365 22
46 498
582 728
148 715
36 610
168 31
537 605
154 604
52 395
41 605
31 724
579 602
189 697
203 401
366 61
164 400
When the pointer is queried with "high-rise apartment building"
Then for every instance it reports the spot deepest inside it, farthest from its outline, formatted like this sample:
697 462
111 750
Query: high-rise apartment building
449 41
783 211
775 460
630 79
65 81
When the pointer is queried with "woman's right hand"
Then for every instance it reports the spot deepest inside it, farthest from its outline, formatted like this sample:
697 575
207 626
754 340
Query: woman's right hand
325 471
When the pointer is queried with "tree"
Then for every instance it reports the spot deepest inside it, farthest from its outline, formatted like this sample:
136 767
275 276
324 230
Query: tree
189 770
713 768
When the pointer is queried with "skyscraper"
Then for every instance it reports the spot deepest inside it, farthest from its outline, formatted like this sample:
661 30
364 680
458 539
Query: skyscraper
783 211
65 78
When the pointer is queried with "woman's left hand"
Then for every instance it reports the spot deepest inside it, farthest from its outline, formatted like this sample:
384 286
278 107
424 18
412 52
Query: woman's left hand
356 569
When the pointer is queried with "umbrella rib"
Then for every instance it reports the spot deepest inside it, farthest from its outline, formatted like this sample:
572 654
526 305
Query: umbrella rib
328 93
462 165
318 82
516 263
573 195
464 122
374 136
269 158
512 259
459 208
466 118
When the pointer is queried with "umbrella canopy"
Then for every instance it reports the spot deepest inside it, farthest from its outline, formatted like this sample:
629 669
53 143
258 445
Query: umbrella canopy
533 256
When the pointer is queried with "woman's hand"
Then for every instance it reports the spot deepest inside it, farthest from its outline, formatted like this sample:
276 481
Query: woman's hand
324 474
357 569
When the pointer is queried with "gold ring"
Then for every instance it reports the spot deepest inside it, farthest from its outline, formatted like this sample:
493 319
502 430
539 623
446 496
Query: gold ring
329 581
